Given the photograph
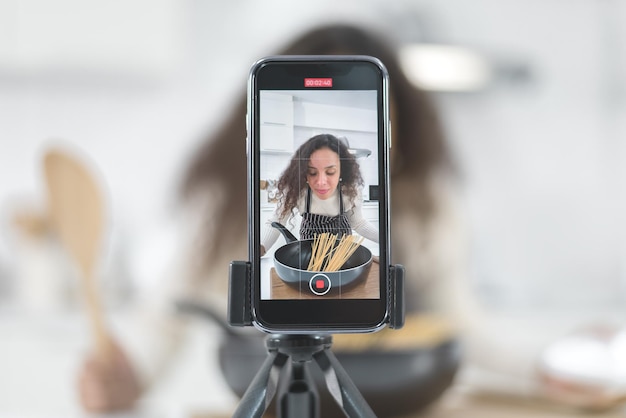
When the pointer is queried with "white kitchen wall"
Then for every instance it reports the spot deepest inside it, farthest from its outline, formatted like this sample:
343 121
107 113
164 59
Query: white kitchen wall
136 85
544 158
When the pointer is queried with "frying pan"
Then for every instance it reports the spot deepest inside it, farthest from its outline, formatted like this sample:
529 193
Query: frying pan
291 261
394 382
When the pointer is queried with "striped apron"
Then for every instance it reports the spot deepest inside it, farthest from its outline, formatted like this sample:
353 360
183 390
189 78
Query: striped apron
313 224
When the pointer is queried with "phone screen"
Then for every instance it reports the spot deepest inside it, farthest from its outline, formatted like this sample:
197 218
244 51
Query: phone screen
319 187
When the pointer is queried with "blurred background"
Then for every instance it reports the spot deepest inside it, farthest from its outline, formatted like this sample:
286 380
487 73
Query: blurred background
532 97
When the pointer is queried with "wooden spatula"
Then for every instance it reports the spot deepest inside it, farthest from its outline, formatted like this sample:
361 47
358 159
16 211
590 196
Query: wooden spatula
77 215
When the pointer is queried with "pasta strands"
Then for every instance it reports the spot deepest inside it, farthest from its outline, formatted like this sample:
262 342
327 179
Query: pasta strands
328 255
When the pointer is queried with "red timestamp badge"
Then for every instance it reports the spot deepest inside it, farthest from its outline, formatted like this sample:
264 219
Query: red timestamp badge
318 82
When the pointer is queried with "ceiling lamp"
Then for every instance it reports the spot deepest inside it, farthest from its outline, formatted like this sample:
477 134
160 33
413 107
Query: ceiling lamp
444 68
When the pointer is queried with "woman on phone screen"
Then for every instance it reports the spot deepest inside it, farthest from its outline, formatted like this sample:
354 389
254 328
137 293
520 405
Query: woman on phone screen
322 183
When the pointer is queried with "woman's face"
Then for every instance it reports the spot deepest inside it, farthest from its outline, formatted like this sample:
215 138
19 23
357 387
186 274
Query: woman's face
323 172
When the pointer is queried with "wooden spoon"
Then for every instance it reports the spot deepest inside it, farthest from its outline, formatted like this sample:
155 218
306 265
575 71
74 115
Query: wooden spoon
77 215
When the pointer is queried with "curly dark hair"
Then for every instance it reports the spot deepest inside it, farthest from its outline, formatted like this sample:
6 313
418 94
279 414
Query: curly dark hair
293 180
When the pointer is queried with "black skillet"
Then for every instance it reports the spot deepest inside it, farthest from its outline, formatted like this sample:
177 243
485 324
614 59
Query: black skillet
393 382
291 261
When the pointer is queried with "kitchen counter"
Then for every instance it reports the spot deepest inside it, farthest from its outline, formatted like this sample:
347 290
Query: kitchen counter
40 354
459 403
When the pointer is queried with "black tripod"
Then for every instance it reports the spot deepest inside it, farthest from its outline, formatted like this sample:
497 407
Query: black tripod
291 380
297 394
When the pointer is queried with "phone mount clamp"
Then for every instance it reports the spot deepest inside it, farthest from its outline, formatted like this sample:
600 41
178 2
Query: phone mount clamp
290 381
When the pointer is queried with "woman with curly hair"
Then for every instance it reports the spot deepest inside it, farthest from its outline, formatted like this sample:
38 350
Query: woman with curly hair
322 183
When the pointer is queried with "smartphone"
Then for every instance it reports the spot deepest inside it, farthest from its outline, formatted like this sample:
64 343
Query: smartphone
318 146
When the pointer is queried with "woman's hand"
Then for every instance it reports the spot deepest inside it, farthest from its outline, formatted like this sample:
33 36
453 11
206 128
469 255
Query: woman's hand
107 382
263 251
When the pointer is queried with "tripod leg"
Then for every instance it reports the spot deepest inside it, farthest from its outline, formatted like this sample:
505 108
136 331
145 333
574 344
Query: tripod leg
298 397
341 387
263 387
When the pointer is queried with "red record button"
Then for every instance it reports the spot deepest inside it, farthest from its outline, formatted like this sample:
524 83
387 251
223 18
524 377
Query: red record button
320 284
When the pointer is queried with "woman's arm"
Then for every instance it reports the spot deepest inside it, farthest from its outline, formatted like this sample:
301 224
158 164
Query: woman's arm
269 234
361 225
